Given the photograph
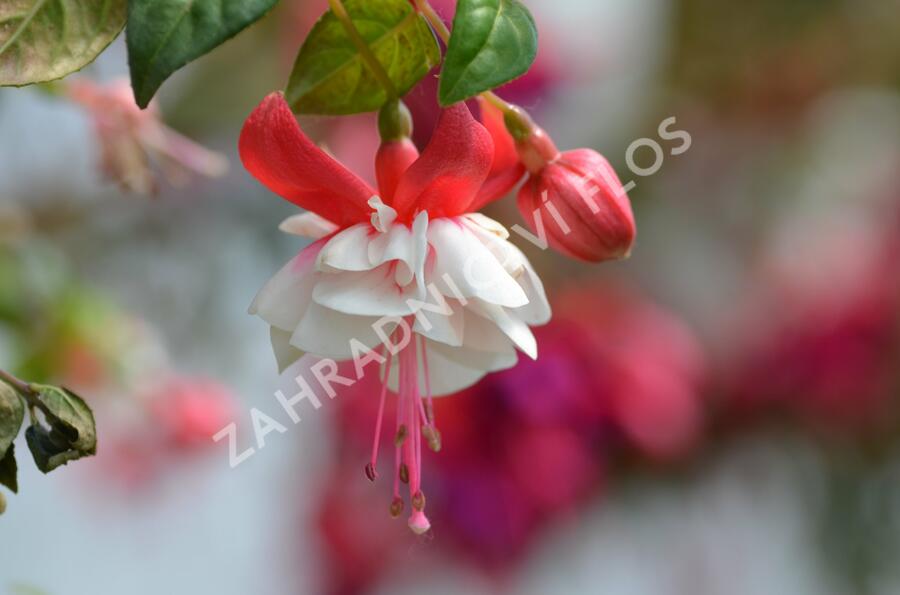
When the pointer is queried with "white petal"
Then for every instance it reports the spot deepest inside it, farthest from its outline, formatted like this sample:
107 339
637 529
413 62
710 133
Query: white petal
487 224
441 321
368 293
511 325
284 298
327 333
420 243
477 359
537 311
510 257
409 247
383 216
285 353
308 225
445 376
471 266
347 251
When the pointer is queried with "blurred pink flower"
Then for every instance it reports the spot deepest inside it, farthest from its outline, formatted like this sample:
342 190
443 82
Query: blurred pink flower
189 411
169 420
131 138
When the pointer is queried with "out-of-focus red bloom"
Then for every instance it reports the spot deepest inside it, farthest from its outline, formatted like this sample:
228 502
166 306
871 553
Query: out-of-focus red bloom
189 411
130 138
527 446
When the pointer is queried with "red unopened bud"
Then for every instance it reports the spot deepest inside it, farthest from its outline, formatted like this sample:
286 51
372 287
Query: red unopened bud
397 152
391 161
579 203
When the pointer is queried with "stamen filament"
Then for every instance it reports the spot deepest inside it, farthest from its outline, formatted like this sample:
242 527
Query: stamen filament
430 409
379 420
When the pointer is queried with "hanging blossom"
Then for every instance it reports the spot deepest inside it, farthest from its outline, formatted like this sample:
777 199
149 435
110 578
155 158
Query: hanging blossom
131 138
410 276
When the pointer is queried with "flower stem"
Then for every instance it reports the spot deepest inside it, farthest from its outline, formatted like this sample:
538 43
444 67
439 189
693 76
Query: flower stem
437 23
337 7
25 391
20 385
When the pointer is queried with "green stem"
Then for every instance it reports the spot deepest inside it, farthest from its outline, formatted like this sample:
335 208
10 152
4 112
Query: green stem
337 7
24 389
436 22
20 385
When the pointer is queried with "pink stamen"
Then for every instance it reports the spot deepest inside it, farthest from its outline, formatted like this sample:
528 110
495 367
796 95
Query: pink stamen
411 419
379 420
430 417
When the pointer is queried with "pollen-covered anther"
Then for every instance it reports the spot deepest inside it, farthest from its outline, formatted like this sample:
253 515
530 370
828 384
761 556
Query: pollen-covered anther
401 435
433 436
418 522
404 473
396 508
370 472
418 501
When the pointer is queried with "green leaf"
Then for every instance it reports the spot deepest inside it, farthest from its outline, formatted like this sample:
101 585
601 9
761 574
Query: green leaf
493 42
164 35
12 412
43 40
330 76
71 433
8 470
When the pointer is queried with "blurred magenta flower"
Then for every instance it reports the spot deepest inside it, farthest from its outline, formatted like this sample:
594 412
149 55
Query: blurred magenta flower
822 341
131 138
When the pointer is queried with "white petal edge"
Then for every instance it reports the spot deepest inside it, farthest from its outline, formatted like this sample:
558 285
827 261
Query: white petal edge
308 225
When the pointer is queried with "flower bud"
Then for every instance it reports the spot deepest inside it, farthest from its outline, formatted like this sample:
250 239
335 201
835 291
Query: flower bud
391 161
394 121
397 151
577 202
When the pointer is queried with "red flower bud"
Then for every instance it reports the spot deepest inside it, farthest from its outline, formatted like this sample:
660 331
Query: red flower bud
577 202
392 160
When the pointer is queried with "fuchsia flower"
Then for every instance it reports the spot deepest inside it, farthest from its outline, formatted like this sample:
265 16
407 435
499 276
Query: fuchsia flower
380 256
130 138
